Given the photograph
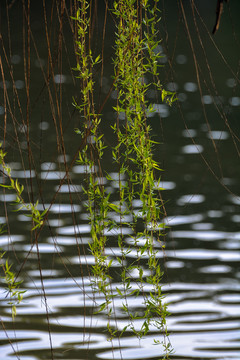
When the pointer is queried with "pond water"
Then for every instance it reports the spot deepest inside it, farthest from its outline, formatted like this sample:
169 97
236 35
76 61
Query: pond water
198 151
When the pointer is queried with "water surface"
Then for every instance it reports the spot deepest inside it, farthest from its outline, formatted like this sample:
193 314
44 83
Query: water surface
201 180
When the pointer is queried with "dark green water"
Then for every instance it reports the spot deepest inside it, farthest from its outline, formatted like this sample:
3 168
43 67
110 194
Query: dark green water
201 177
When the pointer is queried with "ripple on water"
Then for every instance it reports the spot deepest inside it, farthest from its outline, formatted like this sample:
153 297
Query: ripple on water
215 269
117 231
207 99
140 241
46 166
202 226
61 283
215 213
120 218
165 185
191 199
230 244
90 260
192 149
60 78
39 340
23 174
199 235
175 264
161 109
44 272
63 208
204 254
229 298
9 239
43 248
69 240
190 86
7 197
68 188
82 169
235 199
52 175
72 230
218 135
183 219
189 133
234 101
235 218
197 345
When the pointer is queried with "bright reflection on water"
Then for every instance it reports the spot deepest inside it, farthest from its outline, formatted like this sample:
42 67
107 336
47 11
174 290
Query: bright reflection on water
204 319
192 149
201 261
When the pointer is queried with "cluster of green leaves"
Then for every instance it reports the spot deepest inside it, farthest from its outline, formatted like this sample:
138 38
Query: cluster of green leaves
13 290
33 212
91 154
12 286
9 276
136 58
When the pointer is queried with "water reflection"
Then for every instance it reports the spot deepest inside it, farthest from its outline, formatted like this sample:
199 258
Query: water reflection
192 149
206 347
192 198
72 230
218 135
190 87
204 314
215 269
